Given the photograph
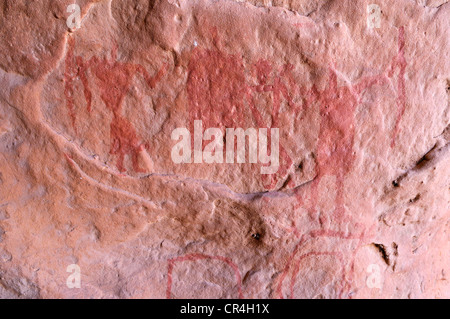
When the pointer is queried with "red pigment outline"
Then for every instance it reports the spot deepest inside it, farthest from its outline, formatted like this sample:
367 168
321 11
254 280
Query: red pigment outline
325 99
264 70
312 235
337 130
211 73
113 79
195 257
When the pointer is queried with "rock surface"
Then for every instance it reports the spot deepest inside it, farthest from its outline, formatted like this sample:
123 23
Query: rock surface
358 208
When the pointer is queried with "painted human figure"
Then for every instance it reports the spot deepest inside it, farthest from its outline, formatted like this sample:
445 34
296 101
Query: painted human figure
337 105
334 154
113 80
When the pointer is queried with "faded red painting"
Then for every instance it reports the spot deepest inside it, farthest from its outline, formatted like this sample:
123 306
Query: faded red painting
219 79
112 79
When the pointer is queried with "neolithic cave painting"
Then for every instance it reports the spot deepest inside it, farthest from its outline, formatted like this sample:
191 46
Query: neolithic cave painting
196 257
337 160
113 80
215 88
220 96
334 152
280 83
215 76
289 275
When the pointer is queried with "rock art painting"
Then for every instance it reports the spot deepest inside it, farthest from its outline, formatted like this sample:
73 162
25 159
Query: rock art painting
107 187
113 80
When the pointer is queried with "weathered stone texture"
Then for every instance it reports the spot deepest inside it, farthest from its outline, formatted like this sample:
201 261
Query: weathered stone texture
87 178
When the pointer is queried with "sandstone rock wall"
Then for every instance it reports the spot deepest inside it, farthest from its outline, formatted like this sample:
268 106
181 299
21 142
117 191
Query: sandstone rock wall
357 208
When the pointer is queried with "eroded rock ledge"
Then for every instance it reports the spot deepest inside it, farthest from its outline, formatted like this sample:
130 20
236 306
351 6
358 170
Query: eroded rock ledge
359 206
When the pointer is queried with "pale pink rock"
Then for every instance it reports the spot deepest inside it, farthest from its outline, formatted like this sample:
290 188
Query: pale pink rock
359 207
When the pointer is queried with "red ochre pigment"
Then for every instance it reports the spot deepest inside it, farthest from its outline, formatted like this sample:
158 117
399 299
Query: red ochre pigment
220 96
215 76
113 80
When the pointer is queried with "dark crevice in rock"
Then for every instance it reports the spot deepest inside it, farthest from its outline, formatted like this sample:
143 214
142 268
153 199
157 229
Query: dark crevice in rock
427 161
383 252
415 199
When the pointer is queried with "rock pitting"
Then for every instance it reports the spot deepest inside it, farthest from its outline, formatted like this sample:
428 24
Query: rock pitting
358 206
